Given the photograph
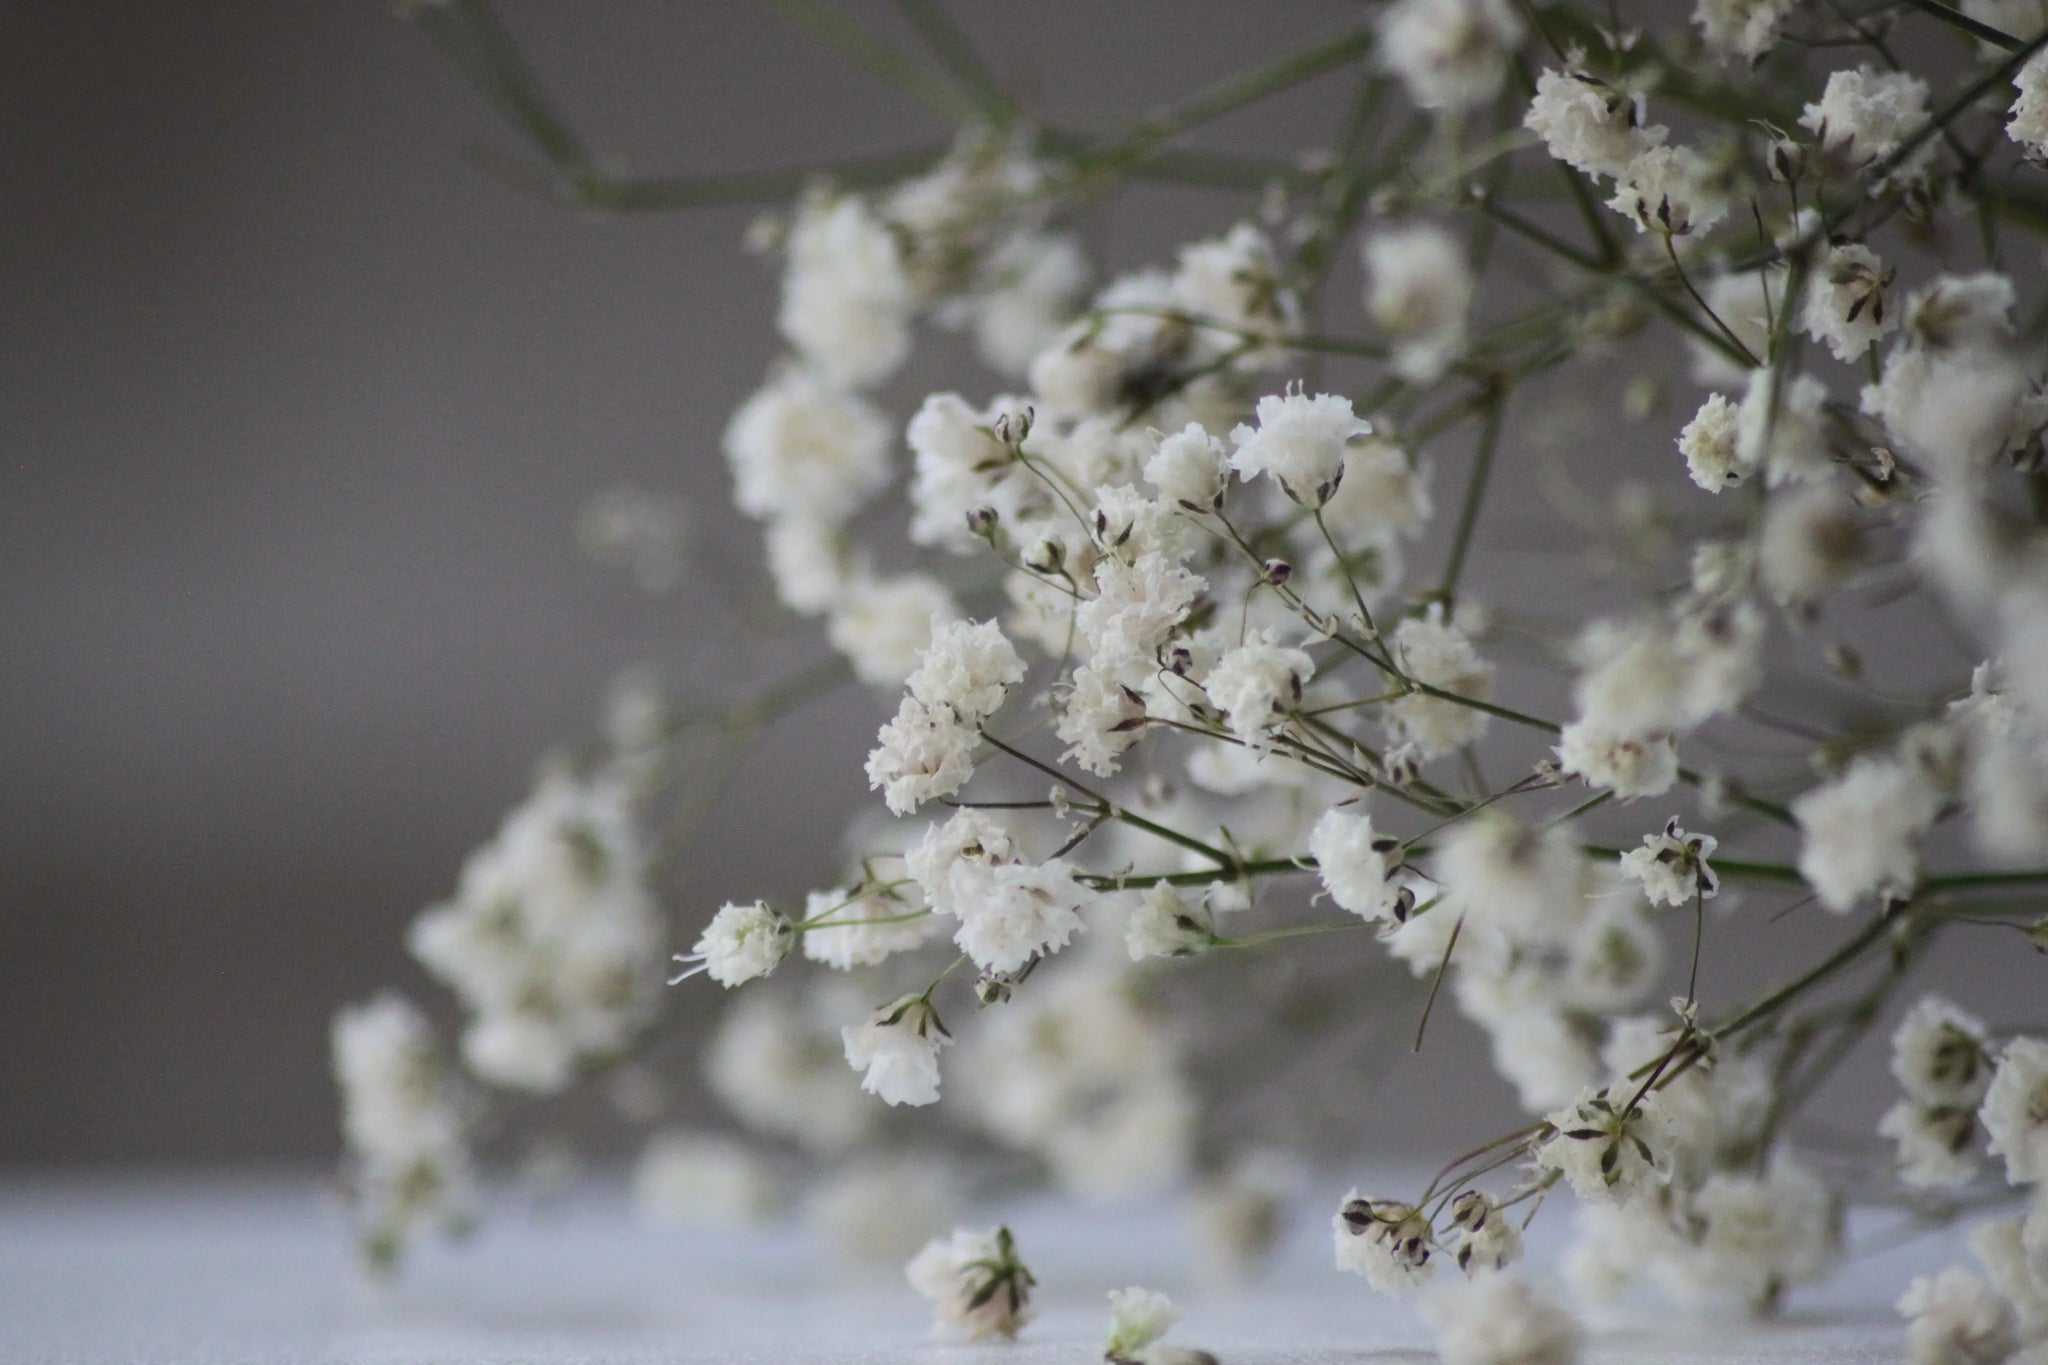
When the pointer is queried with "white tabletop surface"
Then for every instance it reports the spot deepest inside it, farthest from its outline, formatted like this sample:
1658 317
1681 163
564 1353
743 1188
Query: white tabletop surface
220 1271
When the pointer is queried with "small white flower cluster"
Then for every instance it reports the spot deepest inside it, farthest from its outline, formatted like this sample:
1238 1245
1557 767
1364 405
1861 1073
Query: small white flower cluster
409 1161
1599 130
553 941
977 1286
927 750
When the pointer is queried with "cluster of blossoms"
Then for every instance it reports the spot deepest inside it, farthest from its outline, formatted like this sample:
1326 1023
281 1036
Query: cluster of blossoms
1178 646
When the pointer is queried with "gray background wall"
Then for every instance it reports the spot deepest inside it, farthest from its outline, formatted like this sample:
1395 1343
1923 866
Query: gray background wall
296 409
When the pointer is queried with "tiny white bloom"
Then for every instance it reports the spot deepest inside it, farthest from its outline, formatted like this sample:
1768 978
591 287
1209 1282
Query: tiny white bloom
1191 468
1387 1242
1354 865
741 942
897 1050
2015 1110
1956 1319
1256 684
976 1284
1672 866
1497 1319
1300 442
1137 1318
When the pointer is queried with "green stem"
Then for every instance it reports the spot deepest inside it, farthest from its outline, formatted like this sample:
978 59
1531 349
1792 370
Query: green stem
1475 494
936 28
833 27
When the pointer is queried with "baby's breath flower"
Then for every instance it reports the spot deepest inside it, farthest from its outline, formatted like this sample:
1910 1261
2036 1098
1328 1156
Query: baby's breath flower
922 754
1353 864
1486 1237
897 1050
1100 719
2028 125
1845 303
1387 1242
741 943
1708 443
882 625
1300 442
801 447
1419 294
1606 1148
1669 190
1451 54
1161 924
1137 1318
1936 1143
1862 831
846 301
1864 115
2015 1110
1588 124
1672 866
1256 684
1435 652
1740 28
1956 1319
1497 1319
976 1284
1190 469
967 667
1628 765
848 927
1941 1055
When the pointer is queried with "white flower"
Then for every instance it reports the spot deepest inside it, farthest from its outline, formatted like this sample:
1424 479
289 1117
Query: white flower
1450 54
1353 864
1669 190
1387 1242
1588 124
2029 123
1845 303
1127 524
741 943
1100 719
2000 1245
1609 1151
800 447
401 1121
1384 495
1420 292
1941 1055
1628 765
1783 429
776 1064
1432 651
1740 28
1300 442
1812 539
1864 115
1497 1319
967 837
850 927
553 940
1161 924
807 562
1957 1319
1235 280
1137 1318
882 625
1255 684
1672 866
1030 284
975 1282
968 666
2015 1110
1525 882
1190 468
1012 912
1136 607
960 467
922 754
1935 1143
898 1050
1708 442
1861 832
1759 1235
686 1179
1487 1238
846 301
